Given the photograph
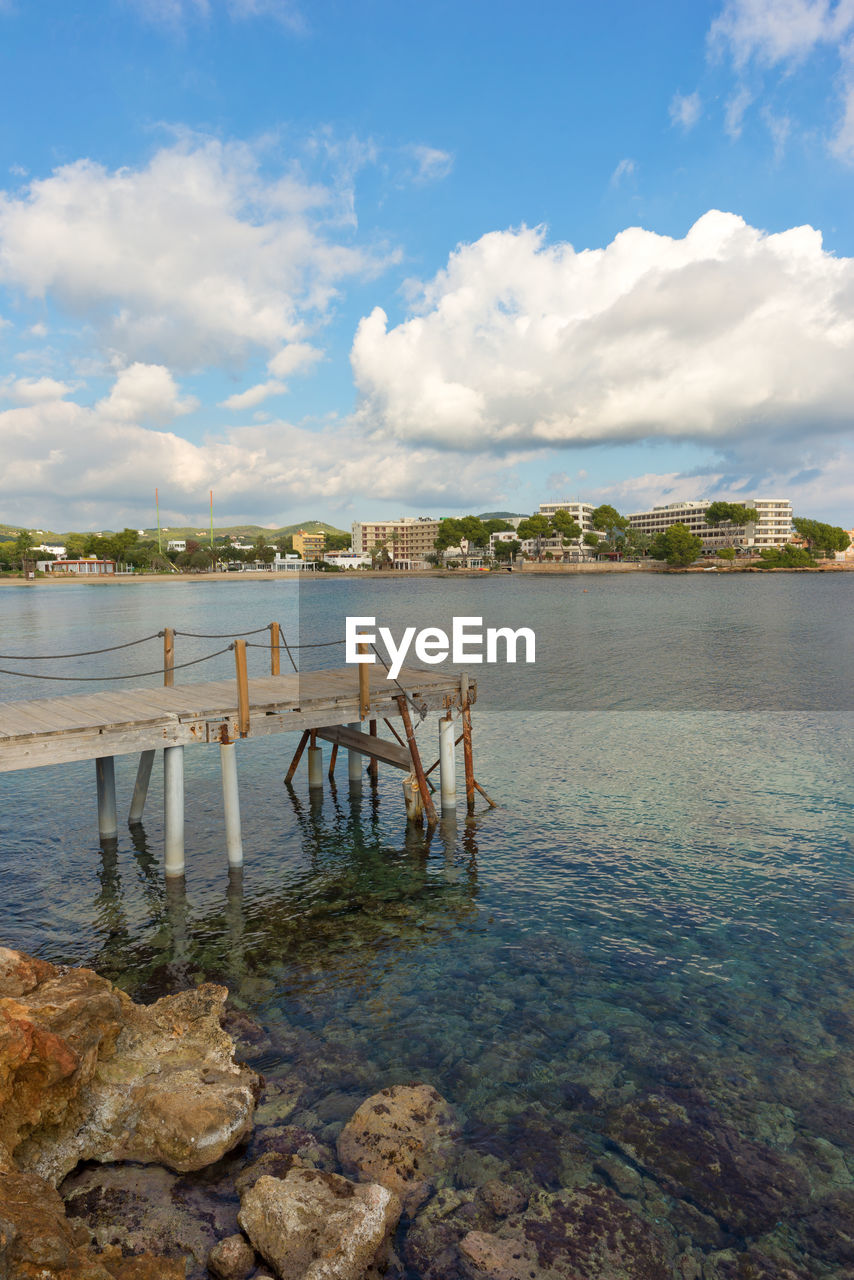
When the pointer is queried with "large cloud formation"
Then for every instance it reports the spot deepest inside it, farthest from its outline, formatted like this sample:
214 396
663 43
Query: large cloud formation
725 333
192 259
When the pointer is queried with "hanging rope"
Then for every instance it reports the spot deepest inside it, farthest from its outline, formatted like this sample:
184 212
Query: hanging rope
125 675
84 653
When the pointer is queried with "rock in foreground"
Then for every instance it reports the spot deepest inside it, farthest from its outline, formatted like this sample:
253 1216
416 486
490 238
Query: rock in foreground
86 1074
402 1138
312 1225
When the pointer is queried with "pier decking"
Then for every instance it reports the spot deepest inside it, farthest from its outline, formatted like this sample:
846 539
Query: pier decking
87 726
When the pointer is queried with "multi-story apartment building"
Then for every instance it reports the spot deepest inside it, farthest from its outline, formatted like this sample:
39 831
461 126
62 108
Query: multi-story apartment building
409 540
309 545
581 512
773 528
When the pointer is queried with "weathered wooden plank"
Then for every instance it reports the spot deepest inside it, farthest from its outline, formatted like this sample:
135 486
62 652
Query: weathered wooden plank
375 748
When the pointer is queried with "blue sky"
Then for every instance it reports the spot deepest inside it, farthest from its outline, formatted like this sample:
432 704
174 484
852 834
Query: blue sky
339 260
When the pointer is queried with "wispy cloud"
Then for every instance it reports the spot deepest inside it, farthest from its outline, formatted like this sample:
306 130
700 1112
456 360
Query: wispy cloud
759 37
685 110
625 169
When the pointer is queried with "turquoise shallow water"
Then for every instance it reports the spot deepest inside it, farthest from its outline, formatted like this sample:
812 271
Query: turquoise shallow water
642 960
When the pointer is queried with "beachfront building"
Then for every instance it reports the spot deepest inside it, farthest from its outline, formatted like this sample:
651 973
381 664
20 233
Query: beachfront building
410 540
176 544
581 512
346 560
773 528
88 566
52 548
309 545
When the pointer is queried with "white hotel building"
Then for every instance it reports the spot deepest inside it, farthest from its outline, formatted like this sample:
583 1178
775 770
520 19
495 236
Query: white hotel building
773 527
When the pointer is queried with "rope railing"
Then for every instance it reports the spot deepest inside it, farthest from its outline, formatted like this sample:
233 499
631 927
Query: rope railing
83 653
124 675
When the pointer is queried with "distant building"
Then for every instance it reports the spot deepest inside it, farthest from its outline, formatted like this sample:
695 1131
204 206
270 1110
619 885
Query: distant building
55 549
581 512
176 544
84 567
773 527
410 540
309 545
347 560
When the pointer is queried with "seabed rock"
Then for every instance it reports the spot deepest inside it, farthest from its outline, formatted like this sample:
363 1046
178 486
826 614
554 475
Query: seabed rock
312 1225
402 1137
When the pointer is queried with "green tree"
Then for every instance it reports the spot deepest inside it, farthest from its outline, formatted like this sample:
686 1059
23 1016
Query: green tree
507 550
565 526
608 519
495 525
450 534
536 526
826 538
677 545
380 558
636 543
787 557
725 553
23 547
592 540
336 542
474 531
729 513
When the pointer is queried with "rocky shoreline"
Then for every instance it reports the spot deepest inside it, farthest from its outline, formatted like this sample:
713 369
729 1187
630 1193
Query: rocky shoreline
134 1145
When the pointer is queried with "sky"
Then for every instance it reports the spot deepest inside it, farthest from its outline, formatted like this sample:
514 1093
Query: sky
346 261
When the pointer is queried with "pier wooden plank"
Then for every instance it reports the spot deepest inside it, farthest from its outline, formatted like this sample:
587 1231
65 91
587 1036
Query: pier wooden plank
63 729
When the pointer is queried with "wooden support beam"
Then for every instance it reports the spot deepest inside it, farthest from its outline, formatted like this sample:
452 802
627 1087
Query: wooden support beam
242 687
418 768
140 791
332 759
379 749
274 649
169 657
364 685
292 768
373 766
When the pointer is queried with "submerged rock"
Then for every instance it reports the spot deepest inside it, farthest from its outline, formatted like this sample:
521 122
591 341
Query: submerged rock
687 1147
87 1074
312 1225
38 1242
585 1234
232 1259
402 1138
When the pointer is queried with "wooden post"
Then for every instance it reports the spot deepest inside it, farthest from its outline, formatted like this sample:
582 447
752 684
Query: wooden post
364 684
373 764
105 775
426 798
242 688
332 759
140 791
274 648
169 657
297 757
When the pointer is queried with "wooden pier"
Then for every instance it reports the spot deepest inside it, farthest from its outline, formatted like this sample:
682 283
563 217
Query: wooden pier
327 705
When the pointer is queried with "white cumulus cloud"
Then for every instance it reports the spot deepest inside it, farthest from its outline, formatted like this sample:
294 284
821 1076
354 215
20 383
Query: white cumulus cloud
145 393
726 333
191 259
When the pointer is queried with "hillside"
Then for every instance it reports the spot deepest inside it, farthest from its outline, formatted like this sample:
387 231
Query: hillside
247 532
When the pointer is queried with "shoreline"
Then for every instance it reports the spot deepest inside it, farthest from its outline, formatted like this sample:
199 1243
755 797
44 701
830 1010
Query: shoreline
405 575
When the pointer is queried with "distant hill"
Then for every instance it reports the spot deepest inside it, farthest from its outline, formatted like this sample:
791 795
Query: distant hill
503 515
248 531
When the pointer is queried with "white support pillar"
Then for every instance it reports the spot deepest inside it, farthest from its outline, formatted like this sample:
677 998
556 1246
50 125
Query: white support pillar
354 761
140 791
447 766
231 803
173 806
105 775
315 768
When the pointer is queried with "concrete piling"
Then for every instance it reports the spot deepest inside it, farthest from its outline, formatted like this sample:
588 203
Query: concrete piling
173 809
231 804
105 776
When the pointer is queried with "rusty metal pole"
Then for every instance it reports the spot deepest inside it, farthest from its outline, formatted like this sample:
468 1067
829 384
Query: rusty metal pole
169 657
297 757
467 752
426 798
373 763
242 688
274 649
332 759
